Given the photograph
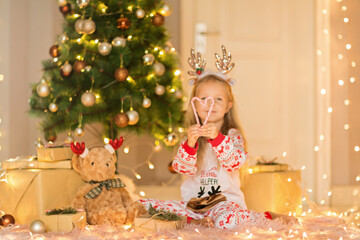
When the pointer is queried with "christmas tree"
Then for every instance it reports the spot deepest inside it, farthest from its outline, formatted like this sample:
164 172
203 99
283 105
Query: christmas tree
112 64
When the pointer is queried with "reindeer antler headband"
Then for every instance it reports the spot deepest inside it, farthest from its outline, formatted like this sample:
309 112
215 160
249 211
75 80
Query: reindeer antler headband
223 65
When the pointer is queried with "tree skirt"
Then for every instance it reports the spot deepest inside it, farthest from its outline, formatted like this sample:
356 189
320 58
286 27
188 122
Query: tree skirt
321 227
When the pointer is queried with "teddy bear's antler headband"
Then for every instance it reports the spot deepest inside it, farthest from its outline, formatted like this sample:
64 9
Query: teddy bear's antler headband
82 151
114 144
223 65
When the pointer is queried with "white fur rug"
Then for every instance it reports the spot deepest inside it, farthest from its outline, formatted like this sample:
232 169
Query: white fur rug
320 227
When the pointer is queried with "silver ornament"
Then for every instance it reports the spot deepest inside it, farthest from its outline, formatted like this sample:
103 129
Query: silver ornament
43 89
166 10
62 3
53 107
171 139
37 226
63 38
140 13
104 48
146 103
159 90
79 26
88 99
133 117
82 3
148 59
89 26
159 69
69 138
66 69
79 132
119 42
178 94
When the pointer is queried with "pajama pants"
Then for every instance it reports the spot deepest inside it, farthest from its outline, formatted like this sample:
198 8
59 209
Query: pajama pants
226 215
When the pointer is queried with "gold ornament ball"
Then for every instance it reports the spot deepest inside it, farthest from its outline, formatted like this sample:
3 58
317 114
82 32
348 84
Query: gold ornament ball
119 42
63 38
79 26
79 132
66 9
158 19
166 10
178 94
54 51
148 59
37 226
140 13
79 65
6 220
66 69
121 74
51 138
43 89
133 117
123 23
159 69
104 48
88 99
159 90
82 3
89 26
146 103
62 2
53 107
171 139
121 120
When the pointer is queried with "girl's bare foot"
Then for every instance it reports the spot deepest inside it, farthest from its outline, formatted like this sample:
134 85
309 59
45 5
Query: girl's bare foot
287 219
206 221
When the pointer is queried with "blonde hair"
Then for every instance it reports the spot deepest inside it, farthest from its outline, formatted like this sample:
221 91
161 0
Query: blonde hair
230 118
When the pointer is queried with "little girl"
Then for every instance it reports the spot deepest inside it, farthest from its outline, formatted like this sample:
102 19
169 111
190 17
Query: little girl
213 153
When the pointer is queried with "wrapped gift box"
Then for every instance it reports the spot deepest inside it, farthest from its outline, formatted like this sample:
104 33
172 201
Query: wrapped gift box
64 222
146 223
27 194
278 192
269 168
33 163
54 153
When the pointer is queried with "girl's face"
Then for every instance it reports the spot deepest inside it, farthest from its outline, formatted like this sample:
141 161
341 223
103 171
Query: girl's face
222 105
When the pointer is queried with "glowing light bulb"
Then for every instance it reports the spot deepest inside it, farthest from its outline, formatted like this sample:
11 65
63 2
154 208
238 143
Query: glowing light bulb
358 178
340 56
97 96
353 64
348 46
1 77
303 167
322 137
78 40
78 57
357 148
346 102
323 91
177 72
106 140
324 11
284 154
324 176
316 148
55 59
137 176
96 41
352 79
319 52
344 8
161 52
341 82
346 20
322 202
289 179
172 49
329 193
250 170
181 130
129 38
330 109
326 31
142 193
151 166
126 150
156 48
346 126
340 36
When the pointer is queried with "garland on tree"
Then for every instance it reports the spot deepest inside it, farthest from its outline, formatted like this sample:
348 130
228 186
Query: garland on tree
112 64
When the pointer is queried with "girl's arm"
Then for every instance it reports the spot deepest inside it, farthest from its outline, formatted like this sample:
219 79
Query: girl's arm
230 150
185 159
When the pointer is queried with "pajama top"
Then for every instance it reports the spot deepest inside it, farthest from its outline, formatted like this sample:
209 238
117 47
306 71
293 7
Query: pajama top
223 157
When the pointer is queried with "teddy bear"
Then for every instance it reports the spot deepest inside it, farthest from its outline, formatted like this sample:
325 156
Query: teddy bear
103 196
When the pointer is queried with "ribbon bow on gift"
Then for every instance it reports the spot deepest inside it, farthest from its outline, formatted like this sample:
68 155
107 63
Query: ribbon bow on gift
111 183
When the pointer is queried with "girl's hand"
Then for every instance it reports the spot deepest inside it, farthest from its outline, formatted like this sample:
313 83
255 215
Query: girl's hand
193 135
209 130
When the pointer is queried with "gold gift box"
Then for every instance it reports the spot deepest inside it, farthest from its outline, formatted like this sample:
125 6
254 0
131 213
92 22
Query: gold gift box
49 154
30 164
27 194
278 192
145 223
64 222
268 168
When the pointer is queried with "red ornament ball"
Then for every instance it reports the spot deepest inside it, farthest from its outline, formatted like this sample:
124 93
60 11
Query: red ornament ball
79 65
66 9
171 169
54 51
6 220
158 19
121 120
121 74
51 138
123 23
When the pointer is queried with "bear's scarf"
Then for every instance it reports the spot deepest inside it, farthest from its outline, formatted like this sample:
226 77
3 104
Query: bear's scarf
111 183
